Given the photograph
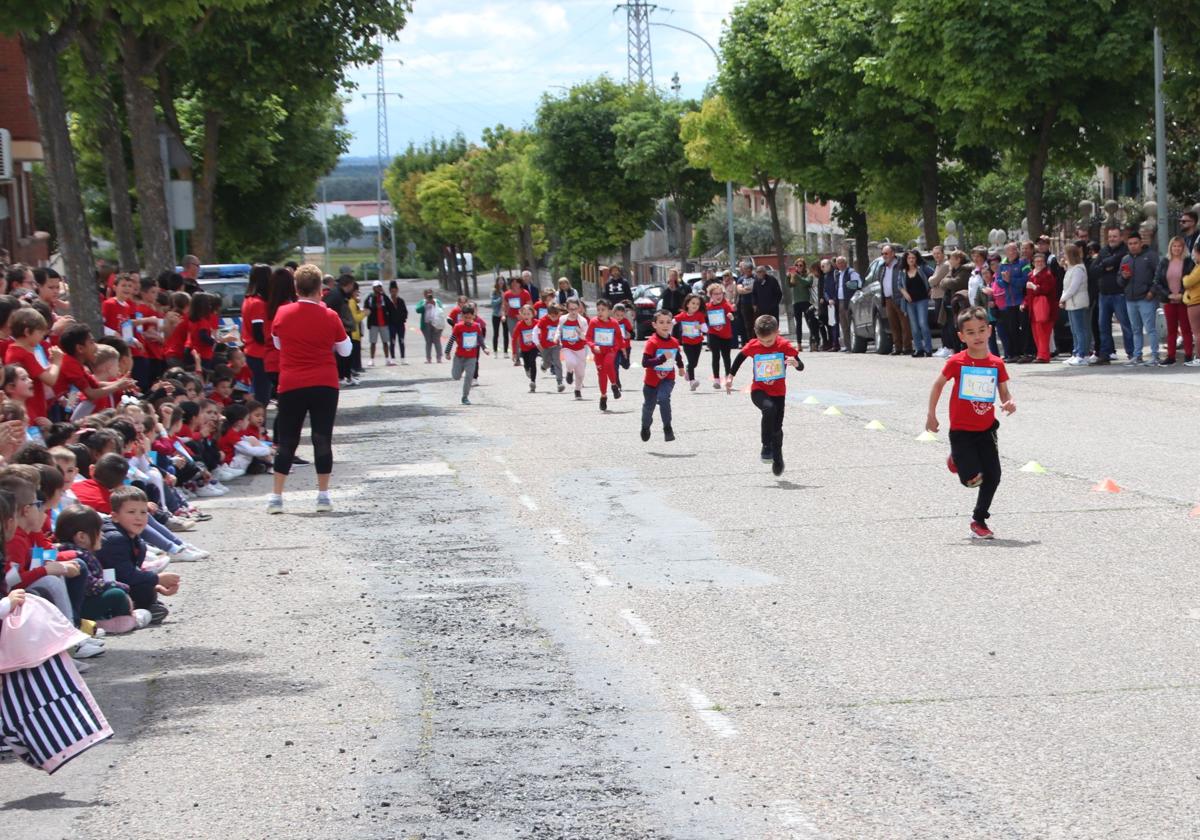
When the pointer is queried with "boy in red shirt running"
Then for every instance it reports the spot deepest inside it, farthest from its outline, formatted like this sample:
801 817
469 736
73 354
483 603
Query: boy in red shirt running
979 378
467 341
548 341
769 355
660 358
604 340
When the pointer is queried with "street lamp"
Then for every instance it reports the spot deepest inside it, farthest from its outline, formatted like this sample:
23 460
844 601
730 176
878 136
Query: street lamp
728 184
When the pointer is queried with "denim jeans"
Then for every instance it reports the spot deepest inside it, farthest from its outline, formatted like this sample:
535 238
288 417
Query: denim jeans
1143 315
1114 305
918 319
658 396
1081 331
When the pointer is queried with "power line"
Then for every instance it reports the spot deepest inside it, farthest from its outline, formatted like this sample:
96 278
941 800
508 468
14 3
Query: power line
641 60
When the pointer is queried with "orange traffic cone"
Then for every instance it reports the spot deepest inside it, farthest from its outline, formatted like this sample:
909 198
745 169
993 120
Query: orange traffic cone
1195 514
1107 486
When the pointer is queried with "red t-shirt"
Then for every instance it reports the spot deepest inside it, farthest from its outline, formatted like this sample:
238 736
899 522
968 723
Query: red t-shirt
307 331
513 301
196 342
452 317
73 374
254 309
35 406
718 316
769 364
526 335
692 326
604 336
116 313
175 345
548 331
465 334
152 348
572 332
245 376
19 553
92 494
668 347
228 441
979 378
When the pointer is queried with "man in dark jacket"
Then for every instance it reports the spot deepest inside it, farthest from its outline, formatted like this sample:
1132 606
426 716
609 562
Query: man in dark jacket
828 296
1138 275
617 288
766 293
380 312
1112 297
338 300
673 295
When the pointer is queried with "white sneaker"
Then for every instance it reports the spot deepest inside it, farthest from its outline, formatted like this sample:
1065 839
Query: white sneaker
86 650
370 363
99 633
209 491
391 363
1076 362
221 488
274 504
202 552
324 503
142 617
226 473
943 353
156 563
1193 363
1092 359
186 555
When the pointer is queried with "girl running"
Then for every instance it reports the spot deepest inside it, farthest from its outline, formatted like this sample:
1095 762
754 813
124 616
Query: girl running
718 312
693 325
604 339
525 344
572 338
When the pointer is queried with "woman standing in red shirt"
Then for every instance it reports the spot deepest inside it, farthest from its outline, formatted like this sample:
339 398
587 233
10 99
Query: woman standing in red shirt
305 332
254 330
1042 300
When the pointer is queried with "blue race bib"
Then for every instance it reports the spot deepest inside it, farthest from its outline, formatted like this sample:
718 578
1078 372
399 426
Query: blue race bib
570 334
716 318
605 336
691 329
978 384
769 367
668 364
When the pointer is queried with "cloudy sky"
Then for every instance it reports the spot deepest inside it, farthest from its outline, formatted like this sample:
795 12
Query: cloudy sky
467 64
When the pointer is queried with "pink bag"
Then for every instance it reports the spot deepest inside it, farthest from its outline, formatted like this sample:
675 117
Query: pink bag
33 633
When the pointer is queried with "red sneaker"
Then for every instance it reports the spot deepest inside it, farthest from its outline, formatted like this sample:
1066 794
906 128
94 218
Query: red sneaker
950 465
981 532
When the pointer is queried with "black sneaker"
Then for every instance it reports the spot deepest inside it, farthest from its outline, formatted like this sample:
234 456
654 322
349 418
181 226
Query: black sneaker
300 462
158 612
668 434
578 395
466 401
777 462
1103 360
532 387
603 403
561 387
616 391
570 378
645 433
766 453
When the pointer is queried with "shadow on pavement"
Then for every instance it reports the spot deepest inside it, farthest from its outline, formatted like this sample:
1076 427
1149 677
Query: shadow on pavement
47 802
1003 543
672 455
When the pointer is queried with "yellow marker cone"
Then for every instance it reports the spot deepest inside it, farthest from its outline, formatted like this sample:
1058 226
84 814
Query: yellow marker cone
1107 486
811 400
833 411
926 437
1034 467
875 426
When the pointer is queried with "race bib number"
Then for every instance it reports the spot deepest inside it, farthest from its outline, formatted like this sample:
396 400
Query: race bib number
541 312
691 329
570 334
768 367
552 334
527 337
39 353
514 303
470 340
978 384
668 363
716 318
127 330
605 336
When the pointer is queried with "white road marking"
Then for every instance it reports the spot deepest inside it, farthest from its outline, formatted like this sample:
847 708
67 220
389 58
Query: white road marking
716 721
499 459
558 536
511 476
640 628
593 574
1194 614
409 470
793 816
528 502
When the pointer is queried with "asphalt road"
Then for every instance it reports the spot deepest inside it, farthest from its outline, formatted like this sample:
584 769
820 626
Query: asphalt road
524 622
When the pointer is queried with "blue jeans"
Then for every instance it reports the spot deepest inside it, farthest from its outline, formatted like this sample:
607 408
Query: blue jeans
1114 305
660 396
1143 314
918 319
1081 331
160 536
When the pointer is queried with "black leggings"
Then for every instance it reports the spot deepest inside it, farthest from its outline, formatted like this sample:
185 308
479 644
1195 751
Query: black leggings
499 324
772 416
530 359
692 352
978 454
719 348
319 403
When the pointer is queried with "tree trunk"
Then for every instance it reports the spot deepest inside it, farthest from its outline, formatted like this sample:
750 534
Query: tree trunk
112 154
627 261
528 259
858 229
771 192
74 242
147 162
204 238
1035 178
929 198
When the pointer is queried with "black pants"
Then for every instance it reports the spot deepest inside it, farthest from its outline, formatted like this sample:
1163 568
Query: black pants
978 454
261 383
1017 324
499 324
692 352
772 417
950 327
343 366
800 315
719 348
319 404
356 356
396 334
142 372
530 359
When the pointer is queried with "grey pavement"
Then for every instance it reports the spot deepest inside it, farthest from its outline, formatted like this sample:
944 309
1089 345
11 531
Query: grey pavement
524 622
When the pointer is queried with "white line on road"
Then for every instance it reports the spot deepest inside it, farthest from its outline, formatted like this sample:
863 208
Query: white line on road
558 536
1194 614
408 470
793 816
499 459
640 628
593 574
528 502
511 476
706 711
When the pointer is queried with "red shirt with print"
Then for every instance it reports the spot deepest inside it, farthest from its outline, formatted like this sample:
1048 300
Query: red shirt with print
718 316
769 364
513 301
527 335
468 334
667 347
572 331
978 378
609 330
35 406
691 326
548 331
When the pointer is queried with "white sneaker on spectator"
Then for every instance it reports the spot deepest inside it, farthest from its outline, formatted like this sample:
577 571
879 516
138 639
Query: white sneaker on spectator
391 362
221 488
1193 363
1077 362
186 555
142 617
209 491
324 503
203 553
370 363
86 650
99 633
226 473
943 353
274 503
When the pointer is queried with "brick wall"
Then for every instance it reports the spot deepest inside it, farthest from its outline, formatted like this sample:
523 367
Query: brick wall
16 111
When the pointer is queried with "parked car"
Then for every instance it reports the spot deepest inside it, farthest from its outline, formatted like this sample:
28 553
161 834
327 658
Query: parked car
228 280
647 299
690 279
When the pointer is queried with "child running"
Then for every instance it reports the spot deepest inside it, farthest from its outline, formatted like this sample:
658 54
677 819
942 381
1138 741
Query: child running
467 340
604 339
718 312
572 338
548 341
660 359
770 353
525 344
980 377
692 326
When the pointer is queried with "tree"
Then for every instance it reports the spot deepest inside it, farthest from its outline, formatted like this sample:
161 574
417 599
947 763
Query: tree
403 177
1067 94
650 150
596 207
444 212
342 228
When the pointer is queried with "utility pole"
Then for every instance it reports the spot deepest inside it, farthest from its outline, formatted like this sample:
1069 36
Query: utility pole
382 155
641 62
1160 149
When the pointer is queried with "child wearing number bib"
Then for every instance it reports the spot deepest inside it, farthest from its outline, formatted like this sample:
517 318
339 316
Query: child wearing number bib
692 326
548 341
980 381
604 340
769 355
572 338
718 314
525 344
467 338
660 360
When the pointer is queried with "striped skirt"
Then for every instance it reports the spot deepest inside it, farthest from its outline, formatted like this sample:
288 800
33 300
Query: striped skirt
47 714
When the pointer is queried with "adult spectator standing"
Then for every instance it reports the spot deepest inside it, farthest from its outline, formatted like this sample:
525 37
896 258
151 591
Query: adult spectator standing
1014 278
827 300
433 321
745 300
802 302
673 295
254 330
399 322
1074 300
1112 297
1188 221
915 290
765 293
190 272
941 267
819 314
281 290
617 288
1091 262
565 293
846 282
707 278
379 319
1172 268
1138 270
499 324
305 332
338 299
955 285
888 275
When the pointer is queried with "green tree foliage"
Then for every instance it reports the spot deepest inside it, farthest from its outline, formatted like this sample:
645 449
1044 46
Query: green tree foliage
401 181
997 200
342 228
751 234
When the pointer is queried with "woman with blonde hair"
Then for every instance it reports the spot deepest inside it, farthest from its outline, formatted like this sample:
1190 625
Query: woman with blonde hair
1172 268
1076 302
